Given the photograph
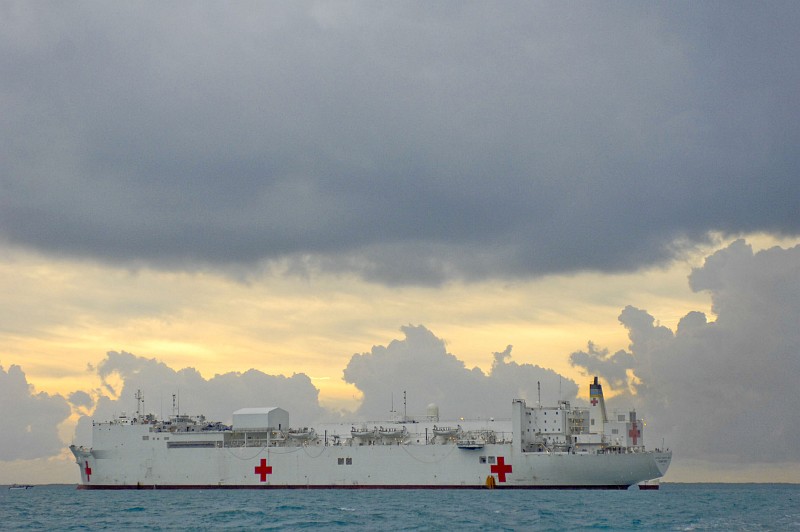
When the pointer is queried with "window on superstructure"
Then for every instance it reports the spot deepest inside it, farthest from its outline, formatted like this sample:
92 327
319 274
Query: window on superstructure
482 459
340 461
349 461
491 459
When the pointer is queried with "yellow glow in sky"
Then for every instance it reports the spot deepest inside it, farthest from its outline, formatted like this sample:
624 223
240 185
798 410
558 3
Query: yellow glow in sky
61 316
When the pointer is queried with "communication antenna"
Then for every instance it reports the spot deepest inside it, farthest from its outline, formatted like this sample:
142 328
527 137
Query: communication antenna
539 388
405 417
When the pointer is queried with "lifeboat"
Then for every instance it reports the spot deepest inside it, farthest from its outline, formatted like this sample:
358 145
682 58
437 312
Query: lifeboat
392 432
363 433
302 434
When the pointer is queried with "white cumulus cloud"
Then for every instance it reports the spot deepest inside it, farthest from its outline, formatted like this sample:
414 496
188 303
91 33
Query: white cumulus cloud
30 420
725 390
420 365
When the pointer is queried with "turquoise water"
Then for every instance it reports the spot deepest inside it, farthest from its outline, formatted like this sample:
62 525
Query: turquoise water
673 507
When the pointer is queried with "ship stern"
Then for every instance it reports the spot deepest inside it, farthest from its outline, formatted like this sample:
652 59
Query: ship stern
662 460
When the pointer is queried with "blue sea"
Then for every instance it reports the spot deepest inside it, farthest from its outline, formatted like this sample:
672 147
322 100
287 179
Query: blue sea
673 507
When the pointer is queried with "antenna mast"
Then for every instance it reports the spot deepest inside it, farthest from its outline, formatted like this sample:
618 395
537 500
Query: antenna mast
139 403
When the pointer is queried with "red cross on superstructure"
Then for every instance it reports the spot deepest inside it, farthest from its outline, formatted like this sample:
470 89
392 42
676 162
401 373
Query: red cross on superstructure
501 468
88 471
263 469
594 401
634 432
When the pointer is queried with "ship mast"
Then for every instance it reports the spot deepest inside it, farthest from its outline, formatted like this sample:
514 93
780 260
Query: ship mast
139 403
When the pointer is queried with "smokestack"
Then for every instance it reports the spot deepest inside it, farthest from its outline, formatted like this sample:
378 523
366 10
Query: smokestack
597 410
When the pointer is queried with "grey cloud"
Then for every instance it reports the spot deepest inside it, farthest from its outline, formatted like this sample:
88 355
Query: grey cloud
725 390
612 368
394 140
30 420
81 399
420 366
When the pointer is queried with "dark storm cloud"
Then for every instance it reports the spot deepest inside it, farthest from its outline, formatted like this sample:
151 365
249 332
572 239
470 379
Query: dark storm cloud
403 142
724 391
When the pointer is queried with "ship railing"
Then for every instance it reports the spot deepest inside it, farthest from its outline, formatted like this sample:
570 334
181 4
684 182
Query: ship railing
470 443
239 442
621 449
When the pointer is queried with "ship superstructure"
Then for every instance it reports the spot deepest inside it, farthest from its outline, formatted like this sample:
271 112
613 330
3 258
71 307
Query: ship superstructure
538 447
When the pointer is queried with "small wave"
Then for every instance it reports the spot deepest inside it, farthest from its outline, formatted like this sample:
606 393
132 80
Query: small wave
290 507
237 513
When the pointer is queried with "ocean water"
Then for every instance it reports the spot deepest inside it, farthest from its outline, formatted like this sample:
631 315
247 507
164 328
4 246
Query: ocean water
673 507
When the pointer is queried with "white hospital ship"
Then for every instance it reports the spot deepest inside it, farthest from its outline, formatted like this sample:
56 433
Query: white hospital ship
538 447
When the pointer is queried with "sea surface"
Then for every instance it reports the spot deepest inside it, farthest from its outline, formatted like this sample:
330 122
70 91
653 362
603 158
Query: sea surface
673 507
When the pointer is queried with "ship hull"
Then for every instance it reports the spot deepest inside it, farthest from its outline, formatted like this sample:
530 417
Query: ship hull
362 467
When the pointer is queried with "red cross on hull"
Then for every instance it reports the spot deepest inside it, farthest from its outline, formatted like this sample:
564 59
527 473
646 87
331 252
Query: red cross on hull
263 469
501 468
88 471
634 433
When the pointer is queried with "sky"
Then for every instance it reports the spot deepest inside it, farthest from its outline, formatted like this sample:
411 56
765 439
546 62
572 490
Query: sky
322 205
